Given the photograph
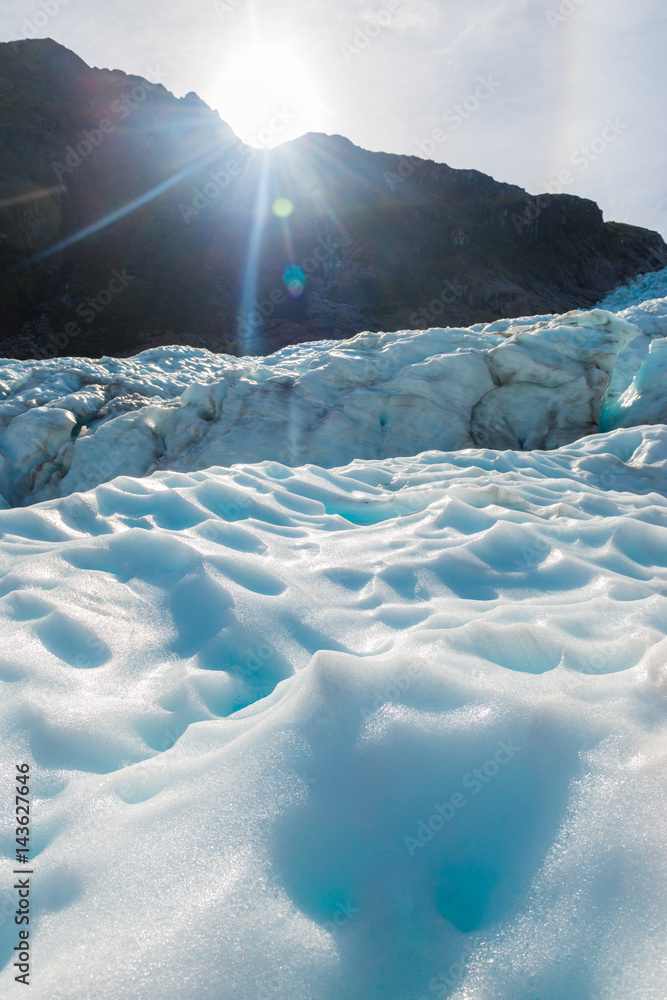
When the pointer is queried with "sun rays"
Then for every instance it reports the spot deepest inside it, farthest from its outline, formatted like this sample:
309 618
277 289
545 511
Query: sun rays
269 94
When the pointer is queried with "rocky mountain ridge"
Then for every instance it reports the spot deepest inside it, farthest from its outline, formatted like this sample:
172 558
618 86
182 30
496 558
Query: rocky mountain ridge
130 218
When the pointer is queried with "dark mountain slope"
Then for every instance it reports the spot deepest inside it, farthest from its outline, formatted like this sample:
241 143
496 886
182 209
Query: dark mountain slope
130 217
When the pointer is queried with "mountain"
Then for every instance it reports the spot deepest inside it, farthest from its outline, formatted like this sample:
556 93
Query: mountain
130 218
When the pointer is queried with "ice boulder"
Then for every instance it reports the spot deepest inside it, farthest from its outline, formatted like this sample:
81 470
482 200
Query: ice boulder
645 399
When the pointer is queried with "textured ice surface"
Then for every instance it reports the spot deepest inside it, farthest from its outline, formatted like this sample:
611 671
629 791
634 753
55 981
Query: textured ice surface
394 730
643 289
642 303
391 730
68 425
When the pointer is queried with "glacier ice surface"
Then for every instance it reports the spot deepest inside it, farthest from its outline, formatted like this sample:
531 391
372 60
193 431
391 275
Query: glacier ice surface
390 729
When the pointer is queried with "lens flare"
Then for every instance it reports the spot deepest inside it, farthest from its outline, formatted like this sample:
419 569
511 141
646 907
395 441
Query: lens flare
283 208
295 279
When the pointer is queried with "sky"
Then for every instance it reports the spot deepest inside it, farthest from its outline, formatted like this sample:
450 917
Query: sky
553 95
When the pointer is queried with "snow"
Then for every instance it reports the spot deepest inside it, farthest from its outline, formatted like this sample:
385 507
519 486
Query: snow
233 780
370 715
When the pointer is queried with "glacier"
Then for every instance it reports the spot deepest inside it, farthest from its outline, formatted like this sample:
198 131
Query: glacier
321 710
68 425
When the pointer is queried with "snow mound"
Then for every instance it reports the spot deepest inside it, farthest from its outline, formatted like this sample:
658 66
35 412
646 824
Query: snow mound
68 425
391 730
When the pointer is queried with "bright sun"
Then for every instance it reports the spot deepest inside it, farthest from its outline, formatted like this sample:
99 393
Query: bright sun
268 95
